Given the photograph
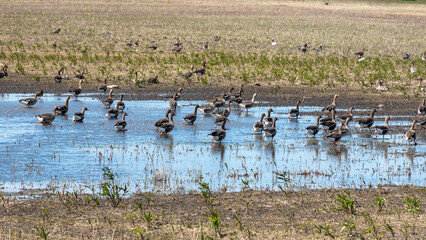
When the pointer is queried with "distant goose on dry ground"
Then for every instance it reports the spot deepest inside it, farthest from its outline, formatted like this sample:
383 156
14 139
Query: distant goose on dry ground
381 86
318 49
336 136
187 75
201 70
206 45
344 117
167 127
313 129
3 72
80 75
132 44
121 125
268 120
247 105
163 120
367 122
28 102
331 124
273 43
103 87
77 91
217 38
360 53
112 113
153 80
410 135
220 134
258 126
177 48
108 101
304 48
57 31
79 116
54 45
406 57
382 130
270 131
63 109
422 108
424 56
61 76
120 105
332 105
47 117
295 111
177 43
153 47
190 118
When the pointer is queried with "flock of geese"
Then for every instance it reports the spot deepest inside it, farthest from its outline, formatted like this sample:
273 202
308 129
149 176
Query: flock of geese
220 108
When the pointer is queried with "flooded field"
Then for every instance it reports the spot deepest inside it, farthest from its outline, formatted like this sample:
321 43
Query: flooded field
36 156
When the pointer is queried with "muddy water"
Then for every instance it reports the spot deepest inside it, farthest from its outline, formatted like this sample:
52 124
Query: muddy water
34 156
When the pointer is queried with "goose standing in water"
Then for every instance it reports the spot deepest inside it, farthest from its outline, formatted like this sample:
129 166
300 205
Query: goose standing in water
107 102
382 130
61 76
63 109
173 103
226 112
238 98
258 126
208 108
47 117
367 122
222 118
229 95
120 105
79 116
344 117
247 105
410 135
331 124
121 125
295 111
167 127
190 118
77 91
28 102
112 113
40 94
332 105
422 109
163 120
313 129
3 72
345 129
220 134
336 136
270 131
103 87
268 120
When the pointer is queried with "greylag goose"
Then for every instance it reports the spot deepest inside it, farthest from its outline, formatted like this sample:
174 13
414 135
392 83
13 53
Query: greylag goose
336 136
424 56
345 129
63 109
247 105
28 102
190 118
187 75
208 108
61 76
167 127
77 91
220 134
273 43
177 48
422 109
331 124
47 117
267 122
349 116
201 70
112 113
304 48
382 130
80 75
177 43
79 116
206 45
413 69
229 95
153 80
219 102
227 111
381 87
173 103
313 129
360 53
217 38
295 111
222 118
163 120
332 105
410 135
121 125
367 122
120 105
406 57
318 49
258 126
107 102
57 31
40 94
3 72
104 87
270 131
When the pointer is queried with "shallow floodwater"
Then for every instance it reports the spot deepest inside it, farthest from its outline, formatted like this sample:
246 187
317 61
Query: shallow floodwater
34 156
